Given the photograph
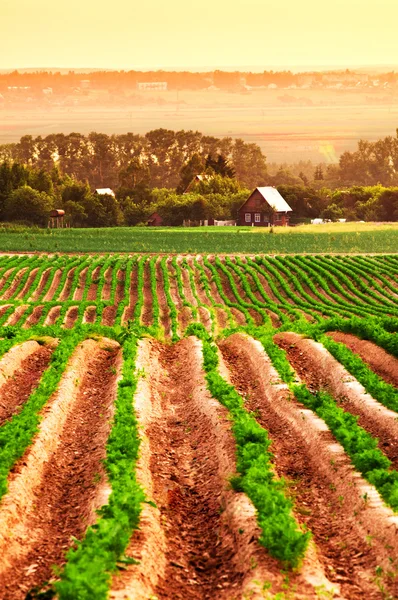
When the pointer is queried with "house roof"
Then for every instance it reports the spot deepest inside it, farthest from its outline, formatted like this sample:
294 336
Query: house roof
273 198
103 191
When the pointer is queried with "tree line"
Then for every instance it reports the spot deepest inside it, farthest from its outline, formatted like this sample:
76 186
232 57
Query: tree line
154 173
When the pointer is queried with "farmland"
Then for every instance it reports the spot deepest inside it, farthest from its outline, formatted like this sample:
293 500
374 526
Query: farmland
327 238
178 426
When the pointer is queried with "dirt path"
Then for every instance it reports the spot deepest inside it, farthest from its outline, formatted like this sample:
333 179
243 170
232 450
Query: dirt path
320 370
28 283
79 291
326 490
201 534
382 363
106 290
92 290
24 379
129 310
14 285
71 317
67 493
34 317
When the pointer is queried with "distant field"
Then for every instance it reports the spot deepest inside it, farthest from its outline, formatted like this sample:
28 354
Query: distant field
287 124
331 238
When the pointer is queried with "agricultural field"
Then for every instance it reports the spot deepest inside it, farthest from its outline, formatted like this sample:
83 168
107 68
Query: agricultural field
198 426
327 238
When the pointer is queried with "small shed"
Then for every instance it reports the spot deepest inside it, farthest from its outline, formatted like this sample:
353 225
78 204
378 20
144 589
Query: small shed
155 220
264 207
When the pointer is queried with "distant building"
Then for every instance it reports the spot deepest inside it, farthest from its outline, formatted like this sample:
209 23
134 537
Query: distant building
264 207
152 85
155 220
105 191
47 91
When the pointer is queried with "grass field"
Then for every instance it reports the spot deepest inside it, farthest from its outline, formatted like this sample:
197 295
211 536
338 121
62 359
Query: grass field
233 418
330 238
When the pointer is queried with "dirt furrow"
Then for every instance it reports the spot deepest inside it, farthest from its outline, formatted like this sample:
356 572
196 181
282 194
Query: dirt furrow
27 284
147 313
79 291
64 295
129 310
328 493
20 371
164 312
92 291
70 317
184 313
90 314
40 286
16 315
320 370
53 286
199 542
60 482
34 317
382 363
14 285
106 290
53 315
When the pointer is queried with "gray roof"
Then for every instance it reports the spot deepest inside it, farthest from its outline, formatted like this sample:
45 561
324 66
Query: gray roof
274 199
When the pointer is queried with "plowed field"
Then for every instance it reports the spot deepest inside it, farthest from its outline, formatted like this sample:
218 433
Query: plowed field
198 427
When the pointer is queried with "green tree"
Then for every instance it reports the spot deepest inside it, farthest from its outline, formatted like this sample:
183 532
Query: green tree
27 204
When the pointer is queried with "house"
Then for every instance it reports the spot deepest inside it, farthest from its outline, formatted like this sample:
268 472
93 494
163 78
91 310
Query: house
155 220
105 191
265 206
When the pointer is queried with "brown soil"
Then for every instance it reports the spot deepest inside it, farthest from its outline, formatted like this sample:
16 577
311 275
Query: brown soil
326 490
184 313
16 315
18 388
238 315
54 286
186 282
119 294
266 286
34 317
164 313
320 370
106 290
5 277
4 308
79 291
190 455
147 315
41 285
64 295
53 315
92 291
108 315
15 283
205 317
129 310
68 490
275 320
382 363
252 311
28 283
71 317
90 314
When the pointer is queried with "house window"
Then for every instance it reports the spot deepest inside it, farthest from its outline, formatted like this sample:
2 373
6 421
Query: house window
257 217
248 217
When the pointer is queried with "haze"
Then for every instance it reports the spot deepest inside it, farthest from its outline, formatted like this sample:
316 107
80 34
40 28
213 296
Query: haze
124 34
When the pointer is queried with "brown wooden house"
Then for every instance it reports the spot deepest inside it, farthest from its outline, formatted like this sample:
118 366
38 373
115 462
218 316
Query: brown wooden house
264 207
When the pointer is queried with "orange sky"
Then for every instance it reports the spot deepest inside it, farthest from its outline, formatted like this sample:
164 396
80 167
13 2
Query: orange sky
128 34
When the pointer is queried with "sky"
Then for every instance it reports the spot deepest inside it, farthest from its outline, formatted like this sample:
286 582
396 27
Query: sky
155 34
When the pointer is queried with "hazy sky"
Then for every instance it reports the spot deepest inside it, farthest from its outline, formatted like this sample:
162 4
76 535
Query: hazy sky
132 34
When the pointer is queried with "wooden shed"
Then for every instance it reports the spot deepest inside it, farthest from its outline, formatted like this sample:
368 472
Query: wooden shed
155 220
264 207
